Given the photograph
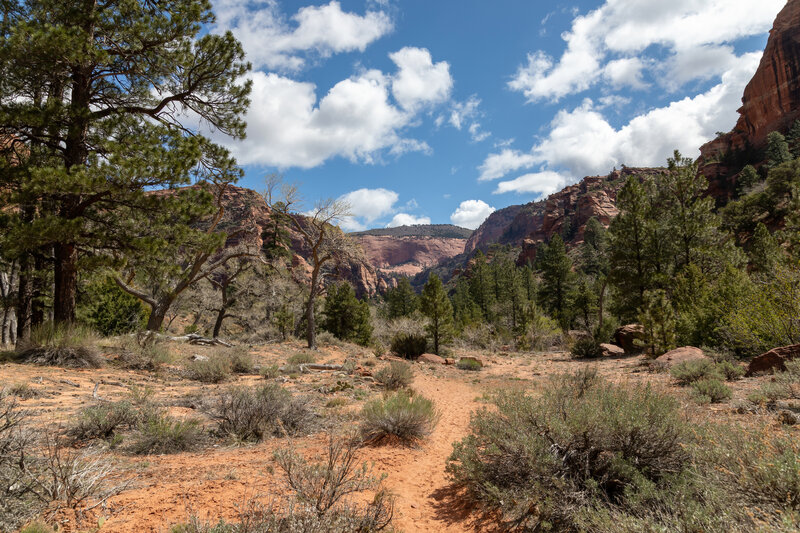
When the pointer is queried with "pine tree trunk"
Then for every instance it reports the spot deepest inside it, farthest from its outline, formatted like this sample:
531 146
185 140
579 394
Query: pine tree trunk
38 281
66 282
24 299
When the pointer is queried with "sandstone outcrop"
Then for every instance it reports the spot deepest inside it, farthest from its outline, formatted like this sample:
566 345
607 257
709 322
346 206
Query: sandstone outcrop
774 360
771 102
408 256
626 337
680 355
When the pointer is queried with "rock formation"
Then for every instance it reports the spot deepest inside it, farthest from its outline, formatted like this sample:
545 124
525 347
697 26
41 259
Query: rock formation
771 102
408 256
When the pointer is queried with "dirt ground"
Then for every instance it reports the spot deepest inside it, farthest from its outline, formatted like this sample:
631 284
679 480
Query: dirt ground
166 489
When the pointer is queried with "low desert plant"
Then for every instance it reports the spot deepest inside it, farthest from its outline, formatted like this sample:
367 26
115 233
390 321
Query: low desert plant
143 353
37 527
214 369
400 416
67 345
396 375
104 420
730 371
23 391
270 372
162 434
409 345
241 360
785 385
252 414
301 358
688 372
469 364
710 390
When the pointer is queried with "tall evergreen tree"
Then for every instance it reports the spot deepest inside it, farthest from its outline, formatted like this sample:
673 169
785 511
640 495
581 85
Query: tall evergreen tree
401 300
346 317
555 267
748 178
481 287
594 251
764 251
437 307
777 149
106 97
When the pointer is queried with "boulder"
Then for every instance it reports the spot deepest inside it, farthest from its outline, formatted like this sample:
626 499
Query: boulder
774 360
612 350
625 337
680 355
432 359
449 361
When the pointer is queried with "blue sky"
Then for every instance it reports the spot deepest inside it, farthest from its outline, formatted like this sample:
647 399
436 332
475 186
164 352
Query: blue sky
440 111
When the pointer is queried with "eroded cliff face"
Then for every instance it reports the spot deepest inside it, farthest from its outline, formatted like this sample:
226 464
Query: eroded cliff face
771 102
408 256
565 212
248 215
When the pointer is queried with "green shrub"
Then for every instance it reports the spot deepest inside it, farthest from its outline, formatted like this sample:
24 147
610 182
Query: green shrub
270 372
67 345
37 527
472 365
346 317
786 385
104 421
302 358
730 371
162 434
109 310
251 414
688 372
588 346
399 416
214 369
710 390
582 445
241 360
396 375
409 345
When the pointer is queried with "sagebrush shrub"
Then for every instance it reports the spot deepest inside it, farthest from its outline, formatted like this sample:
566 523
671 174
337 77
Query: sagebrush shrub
214 369
104 420
688 372
710 390
67 345
143 354
301 358
400 416
730 371
241 360
409 345
469 364
162 434
252 414
396 375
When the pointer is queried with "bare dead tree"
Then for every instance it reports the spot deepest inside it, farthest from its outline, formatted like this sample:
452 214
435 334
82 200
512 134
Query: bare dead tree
326 243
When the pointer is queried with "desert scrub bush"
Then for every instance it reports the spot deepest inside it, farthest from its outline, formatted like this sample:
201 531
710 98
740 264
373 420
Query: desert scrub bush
588 346
399 416
542 334
37 527
396 375
730 370
104 421
710 390
162 434
143 353
252 414
688 372
241 360
23 391
584 445
301 358
469 364
409 345
214 369
270 372
67 345
785 385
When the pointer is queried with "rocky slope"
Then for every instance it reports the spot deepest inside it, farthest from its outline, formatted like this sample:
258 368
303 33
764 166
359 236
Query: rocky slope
771 101
408 255
246 211
565 212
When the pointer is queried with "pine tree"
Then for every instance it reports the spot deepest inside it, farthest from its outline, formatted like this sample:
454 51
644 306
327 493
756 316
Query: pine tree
402 300
777 149
102 101
748 178
594 251
557 279
480 286
793 139
437 307
764 251
346 317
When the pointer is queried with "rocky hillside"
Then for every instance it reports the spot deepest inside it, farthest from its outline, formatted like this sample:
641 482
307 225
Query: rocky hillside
245 210
771 102
408 250
565 212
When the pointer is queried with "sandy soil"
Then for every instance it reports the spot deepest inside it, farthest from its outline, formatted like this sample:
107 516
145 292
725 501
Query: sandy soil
220 479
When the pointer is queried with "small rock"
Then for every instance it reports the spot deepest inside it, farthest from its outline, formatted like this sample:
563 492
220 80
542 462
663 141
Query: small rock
626 337
431 358
612 350
449 361
198 357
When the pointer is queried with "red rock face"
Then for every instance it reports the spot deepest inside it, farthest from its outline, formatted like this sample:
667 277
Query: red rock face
771 100
408 255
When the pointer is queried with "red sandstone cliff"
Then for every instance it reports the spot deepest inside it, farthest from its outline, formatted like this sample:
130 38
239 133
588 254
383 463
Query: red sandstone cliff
771 102
408 255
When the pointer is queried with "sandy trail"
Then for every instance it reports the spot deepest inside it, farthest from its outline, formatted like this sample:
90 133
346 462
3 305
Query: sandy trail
416 475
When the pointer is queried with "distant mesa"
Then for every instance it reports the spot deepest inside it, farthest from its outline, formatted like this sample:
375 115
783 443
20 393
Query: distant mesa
441 231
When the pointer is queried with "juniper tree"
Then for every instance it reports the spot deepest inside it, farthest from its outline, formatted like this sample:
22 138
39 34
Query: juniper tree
748 178
777 149
107 99
437 307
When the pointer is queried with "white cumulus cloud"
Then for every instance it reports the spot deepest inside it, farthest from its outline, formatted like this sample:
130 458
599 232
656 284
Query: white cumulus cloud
404 219
540 183
613 41
508 160
272 42
420 82
471 213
